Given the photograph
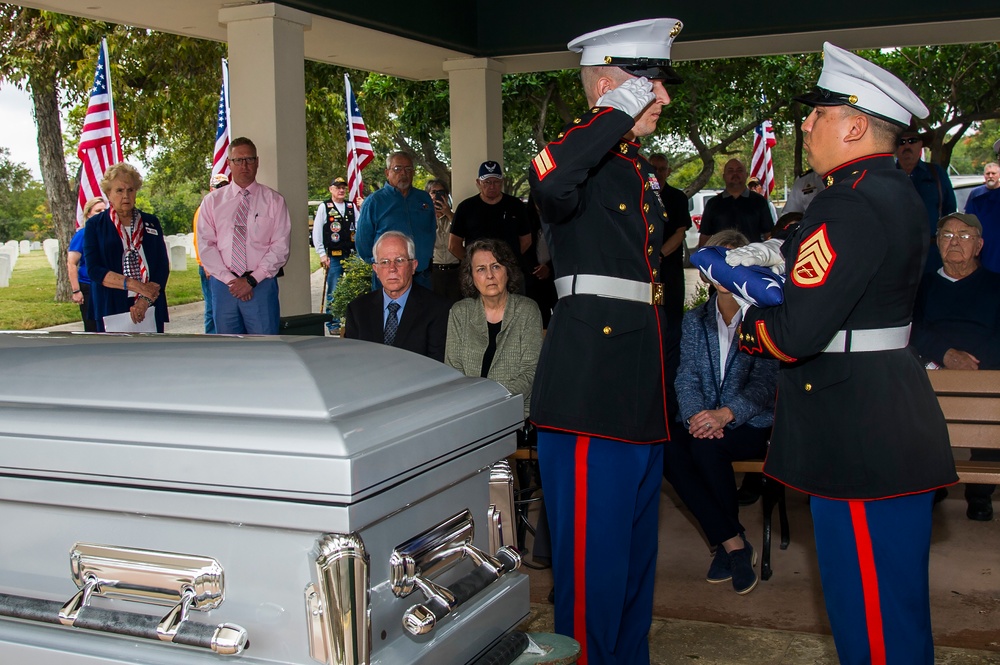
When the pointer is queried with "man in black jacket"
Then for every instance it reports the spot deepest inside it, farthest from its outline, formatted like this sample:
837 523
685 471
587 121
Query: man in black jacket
401 313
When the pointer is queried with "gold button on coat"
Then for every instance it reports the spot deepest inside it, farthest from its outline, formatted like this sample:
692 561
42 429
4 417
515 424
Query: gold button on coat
651 228
645 207
607 330
809 387
649 250
622 207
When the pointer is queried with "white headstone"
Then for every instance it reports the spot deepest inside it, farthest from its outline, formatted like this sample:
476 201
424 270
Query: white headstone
25 247
178 258
51 247
36 246
189 243
13 250
4 268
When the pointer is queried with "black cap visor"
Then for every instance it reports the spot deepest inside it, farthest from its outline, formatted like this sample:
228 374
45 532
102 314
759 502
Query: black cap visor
653 69
823 97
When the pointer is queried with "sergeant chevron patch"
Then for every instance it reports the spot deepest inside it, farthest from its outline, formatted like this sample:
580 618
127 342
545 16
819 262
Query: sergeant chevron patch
816 257
543 163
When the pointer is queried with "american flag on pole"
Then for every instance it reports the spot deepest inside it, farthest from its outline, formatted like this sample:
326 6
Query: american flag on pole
762 167
100 142
222 134
359 148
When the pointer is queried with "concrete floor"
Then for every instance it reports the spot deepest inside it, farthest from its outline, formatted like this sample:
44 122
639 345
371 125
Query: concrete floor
783 622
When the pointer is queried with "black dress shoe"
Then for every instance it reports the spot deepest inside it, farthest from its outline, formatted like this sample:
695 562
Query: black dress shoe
980 510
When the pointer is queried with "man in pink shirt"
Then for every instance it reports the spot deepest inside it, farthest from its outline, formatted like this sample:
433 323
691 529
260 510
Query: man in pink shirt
243 236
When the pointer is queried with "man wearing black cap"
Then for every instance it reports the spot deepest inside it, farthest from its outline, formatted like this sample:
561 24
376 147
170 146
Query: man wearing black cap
333 238
932 184
490 214
599 397
857 425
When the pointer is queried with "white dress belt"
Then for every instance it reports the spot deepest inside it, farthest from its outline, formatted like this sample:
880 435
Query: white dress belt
875 339
650 293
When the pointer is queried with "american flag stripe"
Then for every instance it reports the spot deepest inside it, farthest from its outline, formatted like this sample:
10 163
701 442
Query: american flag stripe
220 163
100 143
359 147
761 165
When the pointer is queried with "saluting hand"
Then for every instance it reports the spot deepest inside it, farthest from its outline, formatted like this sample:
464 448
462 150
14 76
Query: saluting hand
632 96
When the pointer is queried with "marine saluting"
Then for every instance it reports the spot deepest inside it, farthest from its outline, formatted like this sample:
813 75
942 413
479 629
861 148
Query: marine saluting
599 395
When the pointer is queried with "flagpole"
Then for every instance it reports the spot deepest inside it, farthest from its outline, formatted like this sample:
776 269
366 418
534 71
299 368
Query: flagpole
350 141
225 87
116 140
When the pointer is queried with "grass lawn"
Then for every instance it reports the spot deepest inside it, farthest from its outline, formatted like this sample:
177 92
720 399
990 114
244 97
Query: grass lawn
29 302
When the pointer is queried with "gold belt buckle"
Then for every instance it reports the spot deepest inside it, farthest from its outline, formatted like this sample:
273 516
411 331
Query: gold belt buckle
657 293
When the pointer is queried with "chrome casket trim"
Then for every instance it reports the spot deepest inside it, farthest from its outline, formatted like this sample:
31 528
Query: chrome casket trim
338 602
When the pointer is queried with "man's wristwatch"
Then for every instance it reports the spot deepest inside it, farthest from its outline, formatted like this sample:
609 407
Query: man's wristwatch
250 280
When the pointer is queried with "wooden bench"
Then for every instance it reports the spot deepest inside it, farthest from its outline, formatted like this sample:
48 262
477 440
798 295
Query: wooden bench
970 401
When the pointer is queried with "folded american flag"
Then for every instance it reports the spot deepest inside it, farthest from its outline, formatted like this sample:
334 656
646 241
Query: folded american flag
756 284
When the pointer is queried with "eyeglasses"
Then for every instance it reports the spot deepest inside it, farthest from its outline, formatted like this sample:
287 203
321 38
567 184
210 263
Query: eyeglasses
948 236
911 140
243 161
401 169
399 262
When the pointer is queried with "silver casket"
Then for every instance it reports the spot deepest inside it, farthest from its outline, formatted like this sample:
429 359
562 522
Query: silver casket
188 499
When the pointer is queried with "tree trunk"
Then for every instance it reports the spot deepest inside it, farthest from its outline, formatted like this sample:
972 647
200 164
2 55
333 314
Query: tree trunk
62 204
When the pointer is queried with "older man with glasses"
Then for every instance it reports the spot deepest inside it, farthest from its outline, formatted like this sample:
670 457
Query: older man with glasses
243 236
401 313
398 206
956 322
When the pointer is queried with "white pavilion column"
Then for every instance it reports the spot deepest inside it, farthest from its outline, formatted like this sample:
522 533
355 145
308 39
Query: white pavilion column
476 120
268 101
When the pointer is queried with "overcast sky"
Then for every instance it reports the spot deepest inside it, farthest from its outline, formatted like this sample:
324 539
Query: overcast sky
17 128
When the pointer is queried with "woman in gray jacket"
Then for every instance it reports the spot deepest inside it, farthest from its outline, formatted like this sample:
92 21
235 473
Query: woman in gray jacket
494 332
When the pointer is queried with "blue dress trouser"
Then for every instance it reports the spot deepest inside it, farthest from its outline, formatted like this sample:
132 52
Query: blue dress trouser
206 293
873 559
602 499
333 275
257 316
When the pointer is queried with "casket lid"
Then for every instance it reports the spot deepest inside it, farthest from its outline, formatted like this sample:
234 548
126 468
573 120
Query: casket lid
290 417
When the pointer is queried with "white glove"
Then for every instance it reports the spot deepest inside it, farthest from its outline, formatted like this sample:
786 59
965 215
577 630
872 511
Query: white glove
632 96
767 253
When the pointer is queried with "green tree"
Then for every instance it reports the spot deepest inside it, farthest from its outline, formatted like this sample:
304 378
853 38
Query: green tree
21 197
958 83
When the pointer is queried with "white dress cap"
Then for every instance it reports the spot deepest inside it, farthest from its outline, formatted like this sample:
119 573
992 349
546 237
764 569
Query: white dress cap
848 79
639 44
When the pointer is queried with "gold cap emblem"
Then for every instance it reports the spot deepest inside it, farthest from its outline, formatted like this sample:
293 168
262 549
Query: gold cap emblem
607 59
676 30
853 99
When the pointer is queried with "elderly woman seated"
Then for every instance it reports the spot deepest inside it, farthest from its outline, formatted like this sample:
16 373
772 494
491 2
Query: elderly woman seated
726 402
494 332
956 322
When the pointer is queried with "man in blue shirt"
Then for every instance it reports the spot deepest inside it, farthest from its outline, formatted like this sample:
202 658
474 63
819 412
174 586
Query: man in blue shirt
399 207
991 177
931 183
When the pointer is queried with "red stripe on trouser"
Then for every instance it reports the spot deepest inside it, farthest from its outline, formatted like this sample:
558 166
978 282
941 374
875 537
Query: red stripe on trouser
869 581
580 547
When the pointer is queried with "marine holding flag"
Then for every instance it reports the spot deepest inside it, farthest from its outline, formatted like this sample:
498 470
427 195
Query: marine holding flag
857 425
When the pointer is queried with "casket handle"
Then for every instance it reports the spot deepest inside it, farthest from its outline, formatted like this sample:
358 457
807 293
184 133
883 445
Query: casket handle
440 601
